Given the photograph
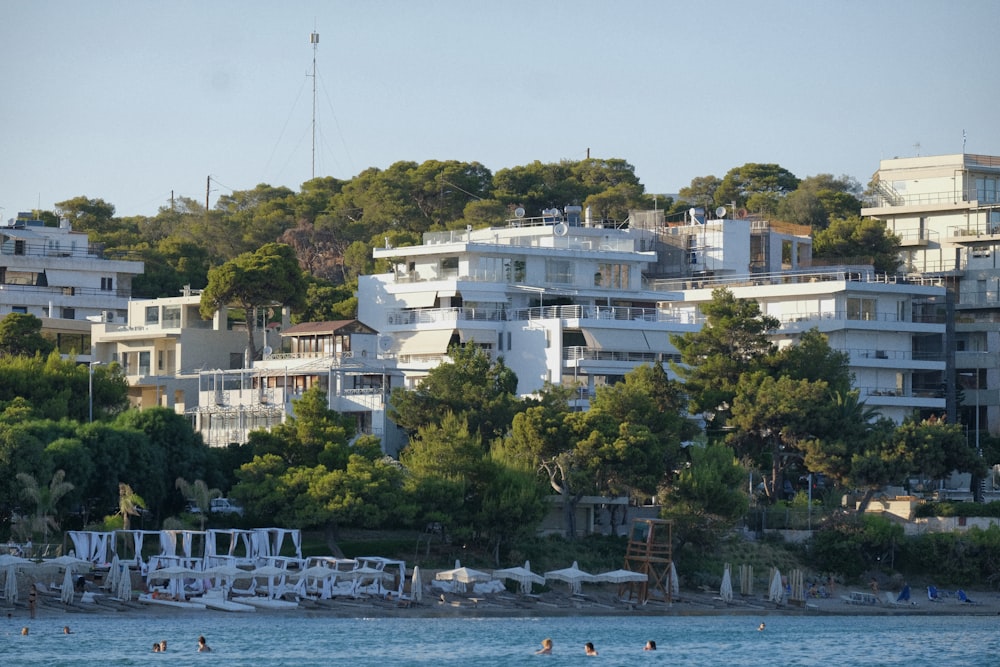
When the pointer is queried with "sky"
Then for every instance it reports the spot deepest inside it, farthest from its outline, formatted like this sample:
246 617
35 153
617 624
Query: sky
136 101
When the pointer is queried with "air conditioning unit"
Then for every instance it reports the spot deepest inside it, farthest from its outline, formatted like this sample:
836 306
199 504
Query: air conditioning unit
107 316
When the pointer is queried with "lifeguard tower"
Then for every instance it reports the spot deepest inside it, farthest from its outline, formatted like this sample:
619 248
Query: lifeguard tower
650 551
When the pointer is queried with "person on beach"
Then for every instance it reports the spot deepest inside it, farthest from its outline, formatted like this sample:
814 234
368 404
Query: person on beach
546 647
589 648
202 646
650 646
874 586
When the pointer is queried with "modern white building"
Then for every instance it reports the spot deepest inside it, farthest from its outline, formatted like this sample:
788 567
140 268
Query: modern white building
578 304
57 275
340 357
946 211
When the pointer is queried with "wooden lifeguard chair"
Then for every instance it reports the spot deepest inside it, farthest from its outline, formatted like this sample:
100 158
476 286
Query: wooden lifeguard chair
650 551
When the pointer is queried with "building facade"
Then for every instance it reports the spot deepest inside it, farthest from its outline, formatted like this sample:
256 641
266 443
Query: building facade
946 211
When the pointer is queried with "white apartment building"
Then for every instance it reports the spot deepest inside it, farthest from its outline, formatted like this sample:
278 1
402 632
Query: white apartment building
580 304
56 275
946 211
164 343
340 357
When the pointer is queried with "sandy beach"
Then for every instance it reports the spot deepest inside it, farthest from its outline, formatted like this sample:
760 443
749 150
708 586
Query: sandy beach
596 600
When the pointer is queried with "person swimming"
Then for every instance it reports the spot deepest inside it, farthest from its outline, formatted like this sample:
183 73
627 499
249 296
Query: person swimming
66 630
202 646
650 646
546 647
589 648
760 628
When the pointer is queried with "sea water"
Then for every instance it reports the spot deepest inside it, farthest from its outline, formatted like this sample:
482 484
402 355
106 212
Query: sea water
270 639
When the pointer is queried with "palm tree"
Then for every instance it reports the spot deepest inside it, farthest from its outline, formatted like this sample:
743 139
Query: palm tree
199 494
129 503
45 500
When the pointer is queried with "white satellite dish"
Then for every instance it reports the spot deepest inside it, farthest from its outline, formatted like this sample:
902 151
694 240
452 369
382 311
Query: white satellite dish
385 343
720 212
518 212
560 229
267 350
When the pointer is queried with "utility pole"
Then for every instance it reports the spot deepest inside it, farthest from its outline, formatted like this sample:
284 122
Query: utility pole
208 185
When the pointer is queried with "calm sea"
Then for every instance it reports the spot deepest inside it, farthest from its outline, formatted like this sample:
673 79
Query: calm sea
272 639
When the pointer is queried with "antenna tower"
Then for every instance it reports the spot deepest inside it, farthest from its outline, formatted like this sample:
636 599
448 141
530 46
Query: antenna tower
314 40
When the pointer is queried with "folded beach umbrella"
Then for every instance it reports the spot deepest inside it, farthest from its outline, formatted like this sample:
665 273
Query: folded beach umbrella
67 586
416 585
10 585
726 589
777 590
124 589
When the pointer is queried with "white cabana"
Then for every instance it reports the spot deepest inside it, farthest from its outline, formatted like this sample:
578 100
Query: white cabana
462 575
96 547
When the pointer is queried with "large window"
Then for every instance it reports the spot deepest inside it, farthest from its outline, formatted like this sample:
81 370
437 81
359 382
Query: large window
152 314
859 308
986 190
559 271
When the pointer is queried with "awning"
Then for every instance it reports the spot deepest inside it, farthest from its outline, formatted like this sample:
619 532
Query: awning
423 342
659 341
483 297
616 339
415 299
488 336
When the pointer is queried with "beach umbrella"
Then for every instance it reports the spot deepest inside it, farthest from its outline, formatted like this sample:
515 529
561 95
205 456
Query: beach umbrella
416 585
226 572
777 590
726 589
114 571
271 571
7 560
675 584
67 586
572 575
10 585
464 576
621 577
522 575
66 561
124 588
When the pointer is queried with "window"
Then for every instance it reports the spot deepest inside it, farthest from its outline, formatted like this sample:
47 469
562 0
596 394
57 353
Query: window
152 314
107 284
171 316
559 271
68 313
19 309
143 363
449 267
860 308
980 251
613 276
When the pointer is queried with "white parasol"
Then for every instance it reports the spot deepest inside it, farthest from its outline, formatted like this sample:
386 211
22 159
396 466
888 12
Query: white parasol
522 575
416 585
114 571
67 586
726 589
124 589
621 577
271 571
776 593
572 575
675 584
175 574
463 575
10 585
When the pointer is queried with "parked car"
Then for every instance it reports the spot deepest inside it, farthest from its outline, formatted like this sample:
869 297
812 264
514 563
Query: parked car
225 506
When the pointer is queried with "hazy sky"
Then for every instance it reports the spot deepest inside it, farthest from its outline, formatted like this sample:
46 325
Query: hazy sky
129 101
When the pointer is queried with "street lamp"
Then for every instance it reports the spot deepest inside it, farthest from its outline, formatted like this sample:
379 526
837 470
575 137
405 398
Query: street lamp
90 386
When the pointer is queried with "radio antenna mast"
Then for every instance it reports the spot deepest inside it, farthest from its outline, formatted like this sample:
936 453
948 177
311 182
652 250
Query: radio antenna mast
314 40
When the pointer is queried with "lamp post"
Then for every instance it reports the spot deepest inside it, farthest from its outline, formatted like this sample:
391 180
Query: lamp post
90 387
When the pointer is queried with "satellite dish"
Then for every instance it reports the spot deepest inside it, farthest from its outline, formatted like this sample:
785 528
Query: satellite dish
385 343
267 350
519 212
560 229
720 212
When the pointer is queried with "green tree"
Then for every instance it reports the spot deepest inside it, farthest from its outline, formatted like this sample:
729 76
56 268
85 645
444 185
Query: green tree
129 504
701 191
820 198
44 500
21 335
856 240
733 341
268 276
711 488
757 187
471 385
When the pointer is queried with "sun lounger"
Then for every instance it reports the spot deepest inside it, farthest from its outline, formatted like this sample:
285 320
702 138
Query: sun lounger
963 598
